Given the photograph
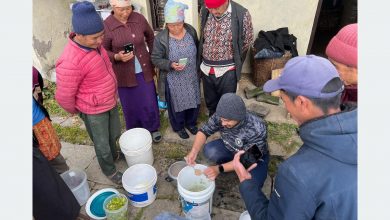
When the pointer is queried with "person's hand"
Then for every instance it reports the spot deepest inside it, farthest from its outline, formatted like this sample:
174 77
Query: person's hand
242 173
190 158
211 172
124 57
177 66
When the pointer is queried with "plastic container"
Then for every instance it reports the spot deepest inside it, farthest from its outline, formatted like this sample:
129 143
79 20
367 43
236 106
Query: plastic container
78 184
245 216
94 206
119 214
173 171
196 192
140 183
136 145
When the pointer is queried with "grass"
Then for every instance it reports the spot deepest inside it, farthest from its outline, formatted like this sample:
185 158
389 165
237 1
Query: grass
164 122
202 117
50 103
283 134
170 150
73 134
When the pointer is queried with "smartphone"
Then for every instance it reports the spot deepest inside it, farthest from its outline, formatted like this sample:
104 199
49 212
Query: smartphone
251 156
183 61
128 48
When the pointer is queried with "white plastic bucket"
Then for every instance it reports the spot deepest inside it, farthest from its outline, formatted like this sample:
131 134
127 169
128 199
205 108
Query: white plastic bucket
136 145
78 184
195 204
139 181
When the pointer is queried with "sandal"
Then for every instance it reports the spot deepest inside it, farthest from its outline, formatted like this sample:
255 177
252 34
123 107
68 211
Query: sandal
116 177
156 136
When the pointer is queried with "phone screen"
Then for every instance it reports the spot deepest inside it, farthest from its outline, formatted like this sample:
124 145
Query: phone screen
183 61
128 48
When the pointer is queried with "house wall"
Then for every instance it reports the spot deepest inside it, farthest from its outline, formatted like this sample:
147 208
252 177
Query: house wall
51 27
297 15
52 24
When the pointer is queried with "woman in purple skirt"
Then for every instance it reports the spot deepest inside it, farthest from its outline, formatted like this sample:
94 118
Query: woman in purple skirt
132 66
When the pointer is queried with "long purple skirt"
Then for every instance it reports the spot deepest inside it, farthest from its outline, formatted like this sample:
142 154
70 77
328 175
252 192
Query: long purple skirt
139 104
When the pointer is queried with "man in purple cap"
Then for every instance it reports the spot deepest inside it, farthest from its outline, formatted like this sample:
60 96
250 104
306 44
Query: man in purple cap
320 180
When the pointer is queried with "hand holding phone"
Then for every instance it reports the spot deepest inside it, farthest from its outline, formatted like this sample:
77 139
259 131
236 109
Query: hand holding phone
183 61
251 156
128 48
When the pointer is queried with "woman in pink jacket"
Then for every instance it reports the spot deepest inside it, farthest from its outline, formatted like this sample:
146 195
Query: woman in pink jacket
86 84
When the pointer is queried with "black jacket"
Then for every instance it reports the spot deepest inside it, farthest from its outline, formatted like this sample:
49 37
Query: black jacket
278 41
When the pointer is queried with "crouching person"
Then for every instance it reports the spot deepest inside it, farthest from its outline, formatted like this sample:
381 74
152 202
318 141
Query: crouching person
240 130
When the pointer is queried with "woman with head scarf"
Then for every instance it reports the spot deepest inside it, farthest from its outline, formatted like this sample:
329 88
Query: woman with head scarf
132 66
175 53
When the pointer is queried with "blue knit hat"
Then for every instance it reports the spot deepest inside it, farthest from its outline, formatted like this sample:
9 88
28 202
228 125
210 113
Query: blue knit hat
85 19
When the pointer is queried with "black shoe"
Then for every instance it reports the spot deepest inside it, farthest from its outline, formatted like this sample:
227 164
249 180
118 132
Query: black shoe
183 134
193 130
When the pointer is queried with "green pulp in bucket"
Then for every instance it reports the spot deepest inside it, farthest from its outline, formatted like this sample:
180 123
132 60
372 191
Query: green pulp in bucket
198 187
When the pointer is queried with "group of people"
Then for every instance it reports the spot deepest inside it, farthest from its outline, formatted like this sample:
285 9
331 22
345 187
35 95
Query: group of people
94 70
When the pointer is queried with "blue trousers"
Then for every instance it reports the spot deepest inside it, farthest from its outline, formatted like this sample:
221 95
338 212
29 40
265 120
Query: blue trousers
216 152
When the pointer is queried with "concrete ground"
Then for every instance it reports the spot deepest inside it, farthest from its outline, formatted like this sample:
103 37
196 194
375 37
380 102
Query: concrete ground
227 202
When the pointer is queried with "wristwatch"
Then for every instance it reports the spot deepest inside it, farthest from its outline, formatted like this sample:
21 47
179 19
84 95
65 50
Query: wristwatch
220 168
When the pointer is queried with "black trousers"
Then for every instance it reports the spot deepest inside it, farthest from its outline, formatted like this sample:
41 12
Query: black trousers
214 88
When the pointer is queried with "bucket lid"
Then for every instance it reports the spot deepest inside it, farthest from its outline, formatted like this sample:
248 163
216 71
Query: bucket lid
94 206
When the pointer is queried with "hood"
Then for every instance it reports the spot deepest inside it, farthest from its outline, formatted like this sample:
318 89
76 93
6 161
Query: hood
334 135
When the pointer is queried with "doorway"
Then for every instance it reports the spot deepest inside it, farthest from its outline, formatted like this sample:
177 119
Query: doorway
331 16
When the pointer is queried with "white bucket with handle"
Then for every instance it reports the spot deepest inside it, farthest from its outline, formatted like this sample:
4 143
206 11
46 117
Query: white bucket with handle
196 192
139 181
136 145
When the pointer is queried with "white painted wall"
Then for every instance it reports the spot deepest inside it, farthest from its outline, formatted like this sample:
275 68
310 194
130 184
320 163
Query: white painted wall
191 14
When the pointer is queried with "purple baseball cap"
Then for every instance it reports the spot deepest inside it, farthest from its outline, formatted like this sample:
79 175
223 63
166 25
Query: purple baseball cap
306 76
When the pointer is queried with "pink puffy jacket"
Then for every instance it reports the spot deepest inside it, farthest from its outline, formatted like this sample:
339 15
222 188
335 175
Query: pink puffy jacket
85 80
